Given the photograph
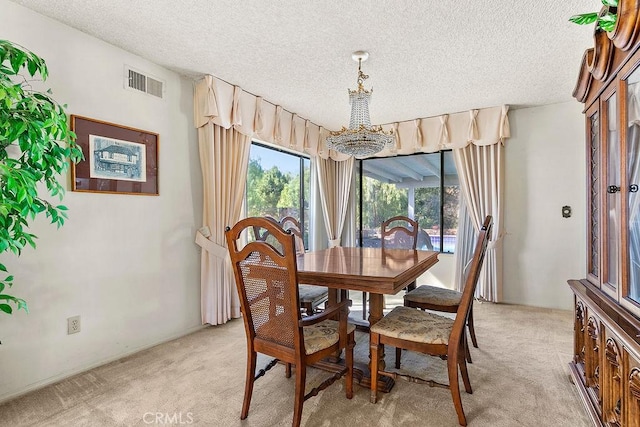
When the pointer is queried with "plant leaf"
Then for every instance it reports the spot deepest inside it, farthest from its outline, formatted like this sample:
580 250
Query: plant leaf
584 18
611 3
6 308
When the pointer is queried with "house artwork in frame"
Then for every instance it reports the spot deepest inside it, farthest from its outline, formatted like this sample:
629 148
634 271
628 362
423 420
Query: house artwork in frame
117 159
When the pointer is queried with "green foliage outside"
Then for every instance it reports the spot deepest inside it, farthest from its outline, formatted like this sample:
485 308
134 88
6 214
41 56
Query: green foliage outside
382 201
272 192
35 147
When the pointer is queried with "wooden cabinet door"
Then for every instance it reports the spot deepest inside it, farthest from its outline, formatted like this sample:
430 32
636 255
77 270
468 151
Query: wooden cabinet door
594 194
611 226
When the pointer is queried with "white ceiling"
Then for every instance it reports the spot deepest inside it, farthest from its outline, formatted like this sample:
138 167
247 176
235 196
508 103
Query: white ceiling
426 58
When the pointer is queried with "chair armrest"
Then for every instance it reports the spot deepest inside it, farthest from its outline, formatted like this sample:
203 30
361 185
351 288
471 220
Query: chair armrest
326 314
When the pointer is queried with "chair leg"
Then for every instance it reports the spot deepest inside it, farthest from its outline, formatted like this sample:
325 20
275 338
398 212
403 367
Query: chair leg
301 375
465 374
364 306
454 386
398 357
349 361
467 353
374 347
248 385
287 370
472 331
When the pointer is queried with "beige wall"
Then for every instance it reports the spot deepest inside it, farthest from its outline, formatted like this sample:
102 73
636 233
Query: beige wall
126 264
545 170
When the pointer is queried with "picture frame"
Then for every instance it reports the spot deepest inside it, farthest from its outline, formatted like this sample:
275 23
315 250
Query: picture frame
117 159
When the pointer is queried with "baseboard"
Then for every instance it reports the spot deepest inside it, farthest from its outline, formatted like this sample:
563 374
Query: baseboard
51 380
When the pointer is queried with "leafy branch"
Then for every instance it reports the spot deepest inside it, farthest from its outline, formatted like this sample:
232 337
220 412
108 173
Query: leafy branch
606 20
36 146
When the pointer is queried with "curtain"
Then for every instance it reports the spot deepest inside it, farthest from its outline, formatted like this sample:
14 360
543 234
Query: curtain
334 184
481 173
464 245
224 158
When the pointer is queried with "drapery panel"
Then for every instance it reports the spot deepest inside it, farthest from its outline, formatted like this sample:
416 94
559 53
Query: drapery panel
334 184
481 174
224 158
465 245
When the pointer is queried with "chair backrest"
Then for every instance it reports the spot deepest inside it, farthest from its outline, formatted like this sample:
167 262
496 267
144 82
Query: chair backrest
399 232
471 281
289 223
266 278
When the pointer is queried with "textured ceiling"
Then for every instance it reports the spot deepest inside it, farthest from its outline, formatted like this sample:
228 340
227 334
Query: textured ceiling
426 58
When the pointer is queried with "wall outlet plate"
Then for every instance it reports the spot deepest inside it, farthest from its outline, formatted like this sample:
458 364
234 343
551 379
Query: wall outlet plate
73 325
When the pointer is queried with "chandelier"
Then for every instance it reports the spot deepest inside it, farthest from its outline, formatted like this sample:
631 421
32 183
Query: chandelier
360 139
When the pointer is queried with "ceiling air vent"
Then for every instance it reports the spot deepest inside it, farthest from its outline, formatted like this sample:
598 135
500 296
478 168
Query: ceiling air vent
135 80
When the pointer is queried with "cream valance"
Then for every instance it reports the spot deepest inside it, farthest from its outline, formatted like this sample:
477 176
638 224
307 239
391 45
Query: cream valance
226 105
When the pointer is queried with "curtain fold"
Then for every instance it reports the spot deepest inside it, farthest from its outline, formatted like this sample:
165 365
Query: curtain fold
481 173
226 105
334 184
464 245
224 158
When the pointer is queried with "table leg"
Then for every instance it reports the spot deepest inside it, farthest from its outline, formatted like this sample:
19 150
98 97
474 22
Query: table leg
376 302
361 371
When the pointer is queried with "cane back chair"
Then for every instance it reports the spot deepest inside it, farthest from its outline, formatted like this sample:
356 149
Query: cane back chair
266 279
432 334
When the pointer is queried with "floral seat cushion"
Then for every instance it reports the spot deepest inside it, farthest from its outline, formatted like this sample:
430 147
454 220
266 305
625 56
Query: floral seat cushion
434 295
323 335
415 325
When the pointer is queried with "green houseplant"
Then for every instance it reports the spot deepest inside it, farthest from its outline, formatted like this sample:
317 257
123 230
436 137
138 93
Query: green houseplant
35 147
606 20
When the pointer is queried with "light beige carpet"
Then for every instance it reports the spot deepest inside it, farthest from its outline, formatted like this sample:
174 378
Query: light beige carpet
519 376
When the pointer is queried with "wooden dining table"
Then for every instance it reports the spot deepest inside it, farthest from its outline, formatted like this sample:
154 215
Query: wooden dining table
374 270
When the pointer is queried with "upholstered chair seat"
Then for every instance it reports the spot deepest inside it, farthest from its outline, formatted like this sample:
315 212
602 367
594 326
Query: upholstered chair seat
434 295
414 325
323 335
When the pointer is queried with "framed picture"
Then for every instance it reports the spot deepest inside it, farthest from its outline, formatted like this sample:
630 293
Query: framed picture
117 159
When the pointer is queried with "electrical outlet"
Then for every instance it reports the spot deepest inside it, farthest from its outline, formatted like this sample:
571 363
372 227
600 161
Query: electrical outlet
73 325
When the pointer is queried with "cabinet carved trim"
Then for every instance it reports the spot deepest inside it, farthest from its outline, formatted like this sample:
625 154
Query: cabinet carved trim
612 378
579 356
593 357
627 26
634 397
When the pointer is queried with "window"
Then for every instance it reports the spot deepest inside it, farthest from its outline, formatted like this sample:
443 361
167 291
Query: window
422 186
278 185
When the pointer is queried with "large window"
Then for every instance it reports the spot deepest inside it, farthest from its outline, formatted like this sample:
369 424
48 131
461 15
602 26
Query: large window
421 186
278 185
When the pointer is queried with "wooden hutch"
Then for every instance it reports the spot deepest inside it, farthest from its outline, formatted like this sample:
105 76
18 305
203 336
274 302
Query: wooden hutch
606 359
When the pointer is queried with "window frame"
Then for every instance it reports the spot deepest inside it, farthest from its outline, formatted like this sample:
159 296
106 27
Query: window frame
302 200
442 186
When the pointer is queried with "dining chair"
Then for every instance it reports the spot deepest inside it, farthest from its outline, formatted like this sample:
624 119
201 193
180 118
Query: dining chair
266 278
426 297
311 296
398 232
431 334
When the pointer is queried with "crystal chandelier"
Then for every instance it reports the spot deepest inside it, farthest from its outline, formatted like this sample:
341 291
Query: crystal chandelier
360 139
